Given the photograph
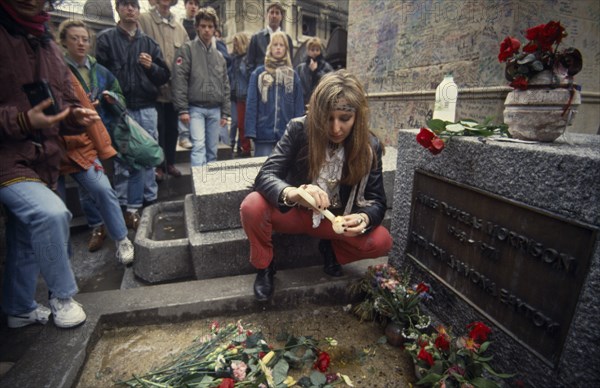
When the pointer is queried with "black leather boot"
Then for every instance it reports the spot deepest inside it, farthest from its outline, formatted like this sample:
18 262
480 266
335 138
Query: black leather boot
263 285
331 267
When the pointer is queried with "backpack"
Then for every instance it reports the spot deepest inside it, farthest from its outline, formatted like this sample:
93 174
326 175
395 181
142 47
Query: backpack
134 145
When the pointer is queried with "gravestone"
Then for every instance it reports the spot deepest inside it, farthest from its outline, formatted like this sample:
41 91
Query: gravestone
508 234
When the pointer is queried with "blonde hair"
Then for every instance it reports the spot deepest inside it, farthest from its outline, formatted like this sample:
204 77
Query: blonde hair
279 35
314 42
70 23
243 41
332 87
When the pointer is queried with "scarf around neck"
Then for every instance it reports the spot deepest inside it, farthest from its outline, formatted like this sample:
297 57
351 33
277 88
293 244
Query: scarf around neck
35 26
277 71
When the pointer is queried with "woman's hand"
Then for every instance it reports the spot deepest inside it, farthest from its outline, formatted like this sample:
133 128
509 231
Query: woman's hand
356 224
85 116
321 198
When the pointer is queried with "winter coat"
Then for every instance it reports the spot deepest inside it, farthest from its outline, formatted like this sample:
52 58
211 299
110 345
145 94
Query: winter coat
200 78
239 75
266 121
34 154
310 79
101 79
169 36
82 150
120 54
288 166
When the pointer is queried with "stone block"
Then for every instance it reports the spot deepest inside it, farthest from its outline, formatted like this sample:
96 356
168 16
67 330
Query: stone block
221 187
560 178
160 260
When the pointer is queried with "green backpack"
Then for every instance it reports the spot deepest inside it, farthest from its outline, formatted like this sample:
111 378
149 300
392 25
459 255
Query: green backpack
134 145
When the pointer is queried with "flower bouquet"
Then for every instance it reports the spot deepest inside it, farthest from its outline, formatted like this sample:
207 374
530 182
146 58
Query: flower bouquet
439 132
389 295
442 360
544 100
235 356
539 54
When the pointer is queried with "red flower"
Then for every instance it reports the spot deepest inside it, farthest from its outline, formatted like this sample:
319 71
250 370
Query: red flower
519 82
422 287
429 140
442 343
437 145
479 331
322 362
425 356
534 33
227 383
546 34
261 355
424 137
508 47
530 47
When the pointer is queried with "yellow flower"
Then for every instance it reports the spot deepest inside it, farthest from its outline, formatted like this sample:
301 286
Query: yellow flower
289 381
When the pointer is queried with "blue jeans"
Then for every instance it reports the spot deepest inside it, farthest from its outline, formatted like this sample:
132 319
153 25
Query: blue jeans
37 241
233 129
204 131
263 149
184 130
125 176
99 201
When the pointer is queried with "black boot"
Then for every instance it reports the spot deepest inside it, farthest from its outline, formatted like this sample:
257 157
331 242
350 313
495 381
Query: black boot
263 285
331 267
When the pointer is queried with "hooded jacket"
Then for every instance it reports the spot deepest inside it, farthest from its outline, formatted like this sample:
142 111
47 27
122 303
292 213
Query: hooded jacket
31 154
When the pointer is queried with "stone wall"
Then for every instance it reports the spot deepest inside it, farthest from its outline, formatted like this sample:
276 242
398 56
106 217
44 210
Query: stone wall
402 49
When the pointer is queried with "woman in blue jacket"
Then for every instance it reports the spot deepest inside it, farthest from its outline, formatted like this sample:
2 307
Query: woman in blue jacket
274 97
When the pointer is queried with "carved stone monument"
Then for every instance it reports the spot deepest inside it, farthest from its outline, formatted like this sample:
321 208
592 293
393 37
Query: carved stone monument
508 234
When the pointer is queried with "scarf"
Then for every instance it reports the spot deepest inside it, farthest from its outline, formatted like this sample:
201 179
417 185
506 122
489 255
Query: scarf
35 26
278 71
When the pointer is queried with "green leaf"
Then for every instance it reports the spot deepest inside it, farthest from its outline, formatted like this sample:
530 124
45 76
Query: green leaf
382 340
484 346
469 123
280 371
431 378
436 125
455 128
494 373
304 382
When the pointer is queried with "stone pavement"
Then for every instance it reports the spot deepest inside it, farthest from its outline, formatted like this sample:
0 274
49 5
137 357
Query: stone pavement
99 277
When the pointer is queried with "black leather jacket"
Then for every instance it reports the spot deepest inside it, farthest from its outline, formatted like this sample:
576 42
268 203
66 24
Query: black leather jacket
119 53
288 166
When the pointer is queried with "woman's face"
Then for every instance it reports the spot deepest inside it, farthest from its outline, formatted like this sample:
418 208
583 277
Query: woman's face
278 49
314 52
77 41
27 8
341 123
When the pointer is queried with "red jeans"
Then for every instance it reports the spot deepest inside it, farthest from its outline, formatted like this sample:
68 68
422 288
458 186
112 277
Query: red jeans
260 220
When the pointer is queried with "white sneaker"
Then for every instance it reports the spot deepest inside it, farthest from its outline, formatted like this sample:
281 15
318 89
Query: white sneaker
67 312
39 315
185 143
125 252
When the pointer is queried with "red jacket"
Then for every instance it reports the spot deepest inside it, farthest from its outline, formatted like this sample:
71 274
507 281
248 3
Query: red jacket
83 149
22 63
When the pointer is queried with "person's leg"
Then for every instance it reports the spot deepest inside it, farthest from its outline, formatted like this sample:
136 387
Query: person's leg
37 242
96 184
213 116
263 149
243 142
198 136
147 118
233 128
171 123
161 129
121 180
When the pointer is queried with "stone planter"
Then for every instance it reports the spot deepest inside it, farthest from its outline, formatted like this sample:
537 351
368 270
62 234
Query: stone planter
543 111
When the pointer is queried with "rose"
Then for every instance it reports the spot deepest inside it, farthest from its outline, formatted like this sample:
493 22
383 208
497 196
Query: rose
508 48
422 287
479 331
322 362
546 35
430 140
227 383
442 342
425 356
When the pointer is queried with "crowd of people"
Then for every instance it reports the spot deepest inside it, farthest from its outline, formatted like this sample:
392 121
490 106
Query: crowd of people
181 85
